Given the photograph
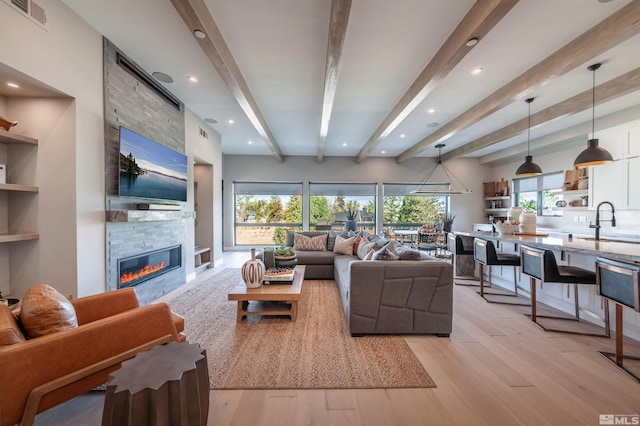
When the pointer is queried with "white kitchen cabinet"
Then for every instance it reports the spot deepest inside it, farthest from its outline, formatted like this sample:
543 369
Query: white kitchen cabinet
608 183
633 183
615 142
634 143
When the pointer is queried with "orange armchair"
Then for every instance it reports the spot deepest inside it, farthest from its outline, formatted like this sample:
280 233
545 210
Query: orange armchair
39 373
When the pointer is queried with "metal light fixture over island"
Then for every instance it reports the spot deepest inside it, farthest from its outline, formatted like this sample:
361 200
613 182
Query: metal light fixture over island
528 168
594 155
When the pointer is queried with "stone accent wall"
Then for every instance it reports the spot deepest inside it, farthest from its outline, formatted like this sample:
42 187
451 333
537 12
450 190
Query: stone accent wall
128 239
130 102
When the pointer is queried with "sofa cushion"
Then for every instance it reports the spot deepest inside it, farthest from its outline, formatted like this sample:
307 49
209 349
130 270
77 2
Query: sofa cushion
10 332
315 258
364 247
356 244
44 310
290 235
344 245
387 252
306 243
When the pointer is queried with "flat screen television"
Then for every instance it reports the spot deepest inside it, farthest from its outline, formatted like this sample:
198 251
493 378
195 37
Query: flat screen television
150 170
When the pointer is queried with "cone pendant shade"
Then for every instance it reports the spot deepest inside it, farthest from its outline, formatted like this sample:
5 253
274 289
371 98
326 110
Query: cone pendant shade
528 168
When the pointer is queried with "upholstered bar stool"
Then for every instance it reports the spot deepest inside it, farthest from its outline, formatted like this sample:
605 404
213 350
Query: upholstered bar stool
484 252
540 264
461 259
618 281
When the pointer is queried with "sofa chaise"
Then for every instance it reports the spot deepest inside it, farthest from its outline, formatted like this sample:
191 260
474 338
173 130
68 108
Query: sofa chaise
384 296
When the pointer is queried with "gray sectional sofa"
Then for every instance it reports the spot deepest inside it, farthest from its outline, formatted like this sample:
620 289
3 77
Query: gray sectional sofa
386 296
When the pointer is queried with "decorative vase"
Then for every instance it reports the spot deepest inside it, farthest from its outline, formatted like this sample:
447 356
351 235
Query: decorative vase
528 223
253 271
350 225
514 213
446 226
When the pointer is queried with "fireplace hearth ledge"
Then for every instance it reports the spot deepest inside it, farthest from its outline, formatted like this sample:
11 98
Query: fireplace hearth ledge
147 215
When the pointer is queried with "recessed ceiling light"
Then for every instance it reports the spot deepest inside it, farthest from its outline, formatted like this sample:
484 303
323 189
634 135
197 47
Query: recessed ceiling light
192 79
434 124
15 86
402 135
230 121
476 70
383 152
250 142
199 33
211 120
431 110
472 42
160 76
344 144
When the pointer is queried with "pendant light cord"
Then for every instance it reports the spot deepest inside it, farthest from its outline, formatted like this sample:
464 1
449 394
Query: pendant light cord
593 106
529 129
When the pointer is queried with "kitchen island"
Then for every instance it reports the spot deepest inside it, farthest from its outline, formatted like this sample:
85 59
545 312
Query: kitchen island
626 251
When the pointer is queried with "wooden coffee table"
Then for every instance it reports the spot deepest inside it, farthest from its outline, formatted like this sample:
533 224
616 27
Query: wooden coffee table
271 299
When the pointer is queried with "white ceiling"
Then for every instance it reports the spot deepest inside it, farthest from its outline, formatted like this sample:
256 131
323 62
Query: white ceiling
281 49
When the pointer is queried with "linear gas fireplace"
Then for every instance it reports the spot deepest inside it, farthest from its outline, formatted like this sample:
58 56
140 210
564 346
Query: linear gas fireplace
136 269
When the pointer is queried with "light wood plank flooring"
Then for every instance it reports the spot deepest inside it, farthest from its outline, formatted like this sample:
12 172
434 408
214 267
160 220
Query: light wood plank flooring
497 368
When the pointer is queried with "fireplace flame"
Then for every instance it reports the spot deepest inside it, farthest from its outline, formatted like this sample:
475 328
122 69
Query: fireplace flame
127 277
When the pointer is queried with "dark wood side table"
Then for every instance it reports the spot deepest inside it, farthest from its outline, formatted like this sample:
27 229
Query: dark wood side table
166 385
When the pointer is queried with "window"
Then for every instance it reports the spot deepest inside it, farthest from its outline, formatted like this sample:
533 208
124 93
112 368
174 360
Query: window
539 193
402 210
328 203
265 210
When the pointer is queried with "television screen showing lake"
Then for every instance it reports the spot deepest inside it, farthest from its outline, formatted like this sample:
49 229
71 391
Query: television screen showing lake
151 170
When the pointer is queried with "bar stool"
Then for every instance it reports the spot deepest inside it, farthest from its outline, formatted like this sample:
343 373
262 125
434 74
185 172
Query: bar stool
541 264
618 281
484 252
455 246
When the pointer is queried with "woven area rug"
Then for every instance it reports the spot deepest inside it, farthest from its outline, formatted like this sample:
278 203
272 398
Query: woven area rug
316 351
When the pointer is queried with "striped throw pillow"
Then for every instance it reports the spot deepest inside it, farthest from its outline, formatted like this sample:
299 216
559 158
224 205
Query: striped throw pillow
304 243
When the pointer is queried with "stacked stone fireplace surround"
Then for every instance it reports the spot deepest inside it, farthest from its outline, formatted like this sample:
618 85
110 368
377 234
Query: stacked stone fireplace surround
133 101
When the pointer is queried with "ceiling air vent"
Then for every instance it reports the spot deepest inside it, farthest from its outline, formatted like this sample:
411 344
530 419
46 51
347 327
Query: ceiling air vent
31 10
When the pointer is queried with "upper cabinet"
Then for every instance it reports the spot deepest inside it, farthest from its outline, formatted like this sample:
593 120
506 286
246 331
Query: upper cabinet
619 181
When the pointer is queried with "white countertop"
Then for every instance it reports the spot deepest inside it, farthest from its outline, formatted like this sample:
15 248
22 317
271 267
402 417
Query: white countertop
622 250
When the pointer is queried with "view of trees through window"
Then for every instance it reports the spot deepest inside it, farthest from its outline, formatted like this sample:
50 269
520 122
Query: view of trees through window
412 210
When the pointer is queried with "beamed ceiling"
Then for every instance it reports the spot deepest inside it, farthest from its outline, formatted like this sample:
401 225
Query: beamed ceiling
371 78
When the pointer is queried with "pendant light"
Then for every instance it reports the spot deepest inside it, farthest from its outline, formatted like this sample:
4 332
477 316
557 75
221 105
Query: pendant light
593 155
453 189
528 168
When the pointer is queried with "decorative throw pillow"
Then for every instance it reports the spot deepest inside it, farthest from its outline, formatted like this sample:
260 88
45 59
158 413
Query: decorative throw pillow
344 245
356 243
331 240
369 254
44 311
364 248
387 252
304 243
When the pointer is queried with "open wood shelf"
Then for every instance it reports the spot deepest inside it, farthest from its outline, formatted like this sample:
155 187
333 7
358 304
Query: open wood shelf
18 187
9 238
14 138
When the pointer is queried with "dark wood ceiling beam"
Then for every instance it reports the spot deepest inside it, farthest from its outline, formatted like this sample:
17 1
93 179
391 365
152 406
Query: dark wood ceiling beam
197 16
626 83
480 19
615 29
340 10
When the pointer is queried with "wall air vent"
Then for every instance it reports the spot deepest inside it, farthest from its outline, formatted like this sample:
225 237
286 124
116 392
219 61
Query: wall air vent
133 69
31 10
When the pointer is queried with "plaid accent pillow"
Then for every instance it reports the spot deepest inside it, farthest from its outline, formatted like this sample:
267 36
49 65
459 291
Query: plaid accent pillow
364 248
304 243
387 252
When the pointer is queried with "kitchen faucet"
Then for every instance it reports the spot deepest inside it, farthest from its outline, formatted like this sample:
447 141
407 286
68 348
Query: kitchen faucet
597 225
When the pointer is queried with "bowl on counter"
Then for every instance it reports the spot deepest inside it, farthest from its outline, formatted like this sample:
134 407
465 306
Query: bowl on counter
504 229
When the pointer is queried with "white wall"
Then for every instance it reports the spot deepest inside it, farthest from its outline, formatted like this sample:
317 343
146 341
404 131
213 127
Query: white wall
467 207
206 151
68 57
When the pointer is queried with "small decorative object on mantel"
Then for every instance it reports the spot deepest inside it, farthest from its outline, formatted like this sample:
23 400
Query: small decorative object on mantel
6 124
253 271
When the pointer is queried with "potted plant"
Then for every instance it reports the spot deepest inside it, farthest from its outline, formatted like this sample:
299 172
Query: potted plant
351 215
284 252
447 221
